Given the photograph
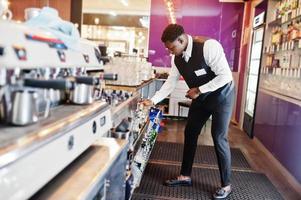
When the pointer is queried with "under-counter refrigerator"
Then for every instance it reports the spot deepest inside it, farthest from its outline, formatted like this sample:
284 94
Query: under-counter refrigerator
253 73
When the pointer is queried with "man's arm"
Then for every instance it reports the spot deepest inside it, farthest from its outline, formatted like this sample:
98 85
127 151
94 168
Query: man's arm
169 84
215 58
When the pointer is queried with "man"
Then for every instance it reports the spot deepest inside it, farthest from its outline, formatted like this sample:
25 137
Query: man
204 67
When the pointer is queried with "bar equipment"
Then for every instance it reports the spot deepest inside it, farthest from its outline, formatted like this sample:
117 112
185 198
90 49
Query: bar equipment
31 12
41 129
24 106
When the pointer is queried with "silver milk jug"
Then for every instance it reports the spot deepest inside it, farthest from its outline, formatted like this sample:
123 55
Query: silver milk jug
82 94
24 107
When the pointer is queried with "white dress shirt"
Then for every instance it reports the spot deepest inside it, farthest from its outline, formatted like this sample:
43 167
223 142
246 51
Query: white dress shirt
214 57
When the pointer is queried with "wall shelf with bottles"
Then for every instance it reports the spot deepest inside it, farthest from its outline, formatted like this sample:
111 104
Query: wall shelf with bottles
285 20
281 58
276 22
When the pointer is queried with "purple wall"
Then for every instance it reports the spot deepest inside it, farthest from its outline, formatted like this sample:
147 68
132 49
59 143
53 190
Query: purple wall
278 127
198 17
230 31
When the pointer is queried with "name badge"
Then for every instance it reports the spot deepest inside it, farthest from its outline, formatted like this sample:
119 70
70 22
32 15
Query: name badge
200 72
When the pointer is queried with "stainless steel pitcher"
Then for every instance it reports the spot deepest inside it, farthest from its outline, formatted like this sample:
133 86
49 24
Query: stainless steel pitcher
82 94
24 107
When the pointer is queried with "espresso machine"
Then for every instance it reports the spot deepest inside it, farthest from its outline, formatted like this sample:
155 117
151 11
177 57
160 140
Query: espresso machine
51 110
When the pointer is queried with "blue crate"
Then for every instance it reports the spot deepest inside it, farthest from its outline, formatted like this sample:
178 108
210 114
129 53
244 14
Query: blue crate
155 116
153 113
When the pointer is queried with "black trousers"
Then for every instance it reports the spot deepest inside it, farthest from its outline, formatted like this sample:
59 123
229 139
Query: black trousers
199 113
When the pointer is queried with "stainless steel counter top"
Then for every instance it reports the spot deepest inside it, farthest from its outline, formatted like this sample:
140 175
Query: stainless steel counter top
17 141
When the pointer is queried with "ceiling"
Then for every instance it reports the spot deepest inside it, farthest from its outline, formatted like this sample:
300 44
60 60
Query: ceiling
135 7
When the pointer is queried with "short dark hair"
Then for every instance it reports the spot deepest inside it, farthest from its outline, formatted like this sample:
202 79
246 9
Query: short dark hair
172 32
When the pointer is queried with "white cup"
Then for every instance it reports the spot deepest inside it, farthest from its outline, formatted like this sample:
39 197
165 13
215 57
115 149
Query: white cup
5 13
3 6
31 13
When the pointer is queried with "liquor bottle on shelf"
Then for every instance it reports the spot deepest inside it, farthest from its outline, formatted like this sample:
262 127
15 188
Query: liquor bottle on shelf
299 61
299 8
284 39
292 35
283 61
294 31
298 38
288 5
276 38
153 135
298 27
269 60
287 60
283 11
277 12
295 4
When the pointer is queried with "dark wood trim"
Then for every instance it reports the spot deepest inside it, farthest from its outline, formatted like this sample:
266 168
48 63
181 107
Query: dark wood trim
76 13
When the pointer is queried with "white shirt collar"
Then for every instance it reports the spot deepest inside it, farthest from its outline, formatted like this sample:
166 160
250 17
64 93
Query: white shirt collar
187 54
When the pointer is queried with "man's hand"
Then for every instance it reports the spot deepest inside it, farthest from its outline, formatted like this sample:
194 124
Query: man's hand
193 93
147 102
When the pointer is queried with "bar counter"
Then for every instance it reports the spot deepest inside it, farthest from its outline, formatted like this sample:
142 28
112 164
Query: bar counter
129 88
17 141
83 178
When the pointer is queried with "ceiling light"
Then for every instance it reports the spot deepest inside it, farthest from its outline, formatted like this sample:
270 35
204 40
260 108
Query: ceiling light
144 21
171 11
96 20
119 28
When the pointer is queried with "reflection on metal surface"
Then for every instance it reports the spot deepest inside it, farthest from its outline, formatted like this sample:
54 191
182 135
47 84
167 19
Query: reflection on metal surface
46 132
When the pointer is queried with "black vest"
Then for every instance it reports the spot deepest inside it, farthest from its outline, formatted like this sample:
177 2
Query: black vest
195 63
197 73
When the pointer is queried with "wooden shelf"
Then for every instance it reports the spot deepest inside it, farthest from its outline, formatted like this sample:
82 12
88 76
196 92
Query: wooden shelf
276 22
289 21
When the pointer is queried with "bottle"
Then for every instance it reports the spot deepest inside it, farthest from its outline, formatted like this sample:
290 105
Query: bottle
277 11
298 26
153 135
284 39
294 4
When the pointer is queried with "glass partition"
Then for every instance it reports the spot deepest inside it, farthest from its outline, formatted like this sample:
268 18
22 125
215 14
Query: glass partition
122 26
